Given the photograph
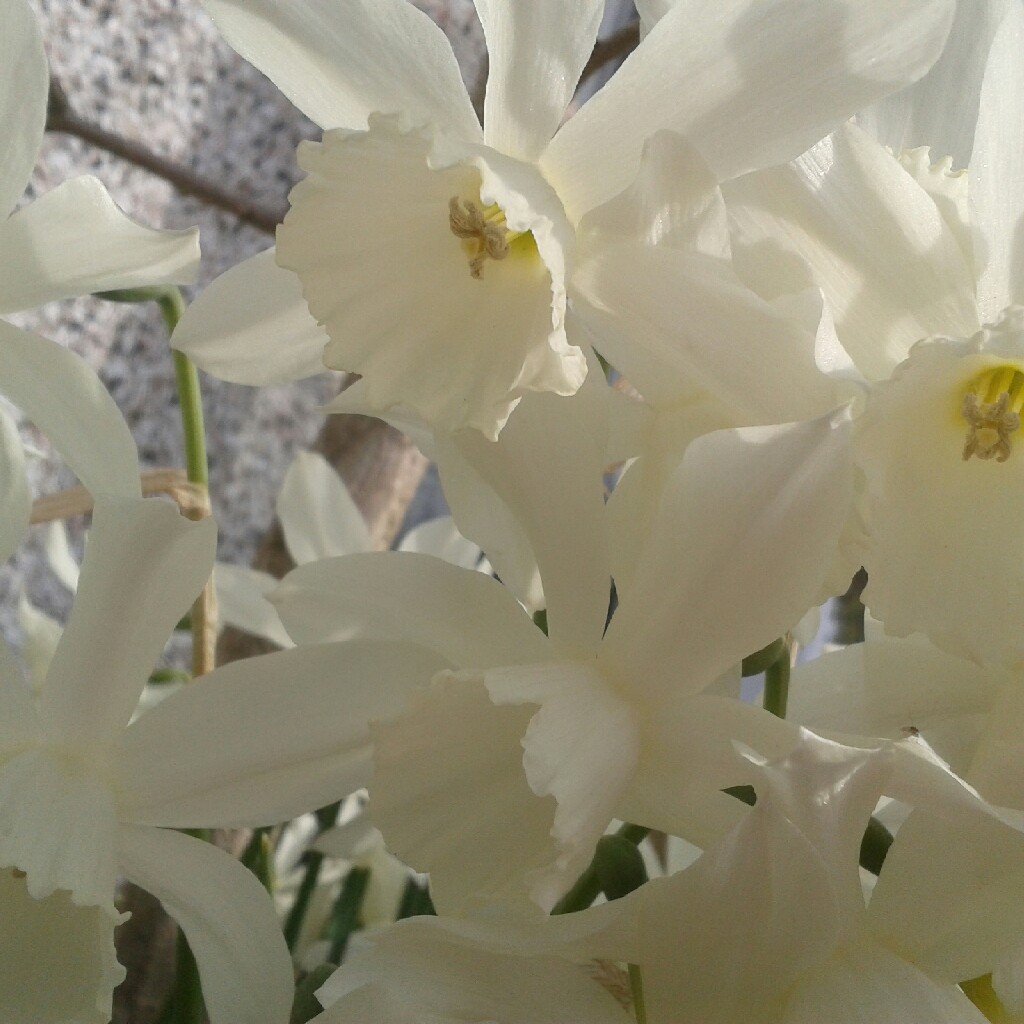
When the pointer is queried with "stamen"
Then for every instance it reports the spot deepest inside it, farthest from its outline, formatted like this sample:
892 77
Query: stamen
483 231
991 425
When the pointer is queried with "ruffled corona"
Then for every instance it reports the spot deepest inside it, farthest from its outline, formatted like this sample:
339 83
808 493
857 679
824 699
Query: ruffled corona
937 445
469 266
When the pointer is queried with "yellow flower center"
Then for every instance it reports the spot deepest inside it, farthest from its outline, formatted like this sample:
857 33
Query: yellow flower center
484 233
992 408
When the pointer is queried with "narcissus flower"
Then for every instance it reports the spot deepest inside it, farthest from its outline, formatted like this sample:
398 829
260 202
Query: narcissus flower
922 269
546 739
436 255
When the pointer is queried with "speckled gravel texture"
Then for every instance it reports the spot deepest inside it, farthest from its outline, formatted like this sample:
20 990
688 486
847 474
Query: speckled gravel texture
157 72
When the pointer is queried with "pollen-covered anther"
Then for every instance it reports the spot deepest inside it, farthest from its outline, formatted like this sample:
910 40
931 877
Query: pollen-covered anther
990 425
483 230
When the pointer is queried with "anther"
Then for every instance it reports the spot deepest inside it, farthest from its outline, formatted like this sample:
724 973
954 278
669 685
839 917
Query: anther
487 237
990 426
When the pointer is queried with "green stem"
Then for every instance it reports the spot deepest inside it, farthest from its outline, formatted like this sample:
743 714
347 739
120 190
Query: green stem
187 1005
587 887
636 983
313 859
776 684
172 305
348 912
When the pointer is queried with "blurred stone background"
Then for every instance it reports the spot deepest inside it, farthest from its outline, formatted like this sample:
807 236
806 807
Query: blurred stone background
157 73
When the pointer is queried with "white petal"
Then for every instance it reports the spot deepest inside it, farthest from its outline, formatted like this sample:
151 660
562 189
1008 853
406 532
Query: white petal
743 540
997 170
652 311
75 241
318 515
406 311
468 618
23 91
674 200
58 554
950 894
749 84
451 797
556 493
40 636
242 602
752 915
1008 981
15 499
252 326
58 824
886 685
441 538
227 917
144 565
941 110
581 747
536 52
483 517
19 724
340 62
268 738
877 245
60 964
81 419
421 970
866 983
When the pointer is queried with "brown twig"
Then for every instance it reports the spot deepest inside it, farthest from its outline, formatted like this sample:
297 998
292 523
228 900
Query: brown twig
60 118
194 502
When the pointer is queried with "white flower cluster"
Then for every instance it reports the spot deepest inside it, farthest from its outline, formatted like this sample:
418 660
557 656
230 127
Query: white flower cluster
766 287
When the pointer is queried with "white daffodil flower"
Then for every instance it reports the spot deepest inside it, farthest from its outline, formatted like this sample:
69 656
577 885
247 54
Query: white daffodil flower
888 245
319 519
768 926
466 237
599 724
73 240
85 797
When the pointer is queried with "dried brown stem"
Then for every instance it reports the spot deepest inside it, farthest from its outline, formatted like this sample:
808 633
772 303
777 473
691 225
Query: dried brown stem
60 118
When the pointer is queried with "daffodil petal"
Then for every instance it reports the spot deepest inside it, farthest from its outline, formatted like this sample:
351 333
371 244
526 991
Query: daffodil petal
997 170
242 602
15 500
74 240
745 534
890 267
252 326
227 917
144 565
80 418
339 63
468 618
317 513
23 92
748 84
60 964
941 109
421 967
536 52
268 738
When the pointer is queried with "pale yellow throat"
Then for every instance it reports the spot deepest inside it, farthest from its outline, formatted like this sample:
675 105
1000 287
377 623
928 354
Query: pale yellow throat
484 233
992 410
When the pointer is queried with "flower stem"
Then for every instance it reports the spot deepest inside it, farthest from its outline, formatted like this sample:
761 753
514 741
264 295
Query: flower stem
313 860
587 887
776 683
172 306
636 983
